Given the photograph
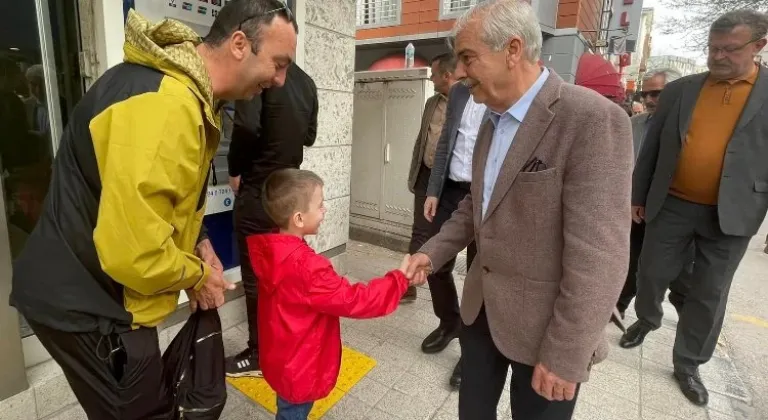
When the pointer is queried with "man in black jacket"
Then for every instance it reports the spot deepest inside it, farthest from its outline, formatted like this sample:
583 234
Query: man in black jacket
270 133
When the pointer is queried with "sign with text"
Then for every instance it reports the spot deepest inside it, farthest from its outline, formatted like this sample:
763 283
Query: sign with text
626 16
220 199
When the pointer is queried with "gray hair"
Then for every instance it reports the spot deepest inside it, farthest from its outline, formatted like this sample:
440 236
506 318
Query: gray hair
35 74
502 20
670 75
756 21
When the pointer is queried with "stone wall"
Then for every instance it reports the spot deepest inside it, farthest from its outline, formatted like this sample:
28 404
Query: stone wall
329 57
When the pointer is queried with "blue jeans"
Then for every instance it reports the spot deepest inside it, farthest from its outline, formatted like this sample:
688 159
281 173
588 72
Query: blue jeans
288 411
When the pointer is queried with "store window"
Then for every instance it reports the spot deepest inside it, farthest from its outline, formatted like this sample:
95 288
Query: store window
39 85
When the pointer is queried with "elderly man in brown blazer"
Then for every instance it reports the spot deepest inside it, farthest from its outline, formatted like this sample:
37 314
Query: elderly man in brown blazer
548 208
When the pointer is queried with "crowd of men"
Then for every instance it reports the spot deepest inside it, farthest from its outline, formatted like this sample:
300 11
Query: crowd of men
534 176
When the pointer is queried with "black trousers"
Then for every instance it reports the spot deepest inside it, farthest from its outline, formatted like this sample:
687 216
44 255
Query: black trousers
484 372
250 219
678 289
445 299
668 239
114 377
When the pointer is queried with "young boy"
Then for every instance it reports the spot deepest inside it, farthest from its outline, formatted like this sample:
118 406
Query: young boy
301 297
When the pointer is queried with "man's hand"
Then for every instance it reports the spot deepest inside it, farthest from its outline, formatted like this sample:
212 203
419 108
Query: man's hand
234 183
417 279
205 251
638 214
430 208
212 294
550 386
419 263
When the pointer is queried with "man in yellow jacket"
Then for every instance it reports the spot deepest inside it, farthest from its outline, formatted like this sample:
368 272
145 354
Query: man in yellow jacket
120 235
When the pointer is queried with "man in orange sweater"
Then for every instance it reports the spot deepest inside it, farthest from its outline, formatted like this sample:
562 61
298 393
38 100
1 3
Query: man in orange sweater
701 178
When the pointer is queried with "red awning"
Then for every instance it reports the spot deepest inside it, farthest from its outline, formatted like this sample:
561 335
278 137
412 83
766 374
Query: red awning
596 73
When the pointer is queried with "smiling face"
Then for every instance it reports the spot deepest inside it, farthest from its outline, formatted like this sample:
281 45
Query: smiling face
488 73
263 67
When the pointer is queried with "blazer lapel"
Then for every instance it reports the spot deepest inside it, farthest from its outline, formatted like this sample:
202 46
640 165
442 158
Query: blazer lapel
688 102
527 138
757 98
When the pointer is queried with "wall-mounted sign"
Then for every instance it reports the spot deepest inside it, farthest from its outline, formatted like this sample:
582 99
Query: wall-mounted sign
626 15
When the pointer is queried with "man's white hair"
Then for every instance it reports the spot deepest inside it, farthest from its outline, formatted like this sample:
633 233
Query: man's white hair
35 74
670 74
502 20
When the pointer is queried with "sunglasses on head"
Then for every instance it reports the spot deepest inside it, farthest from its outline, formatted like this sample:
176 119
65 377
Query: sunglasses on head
284 10
651 93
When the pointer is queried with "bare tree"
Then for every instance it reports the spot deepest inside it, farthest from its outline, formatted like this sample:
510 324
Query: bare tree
698 15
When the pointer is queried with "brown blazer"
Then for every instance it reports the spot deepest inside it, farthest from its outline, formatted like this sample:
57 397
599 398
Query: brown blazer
421 140
553 248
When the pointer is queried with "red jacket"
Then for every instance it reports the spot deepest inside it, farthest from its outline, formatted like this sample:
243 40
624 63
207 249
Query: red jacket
300 301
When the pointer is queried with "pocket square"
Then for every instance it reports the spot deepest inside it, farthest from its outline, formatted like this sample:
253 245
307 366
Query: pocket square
534 165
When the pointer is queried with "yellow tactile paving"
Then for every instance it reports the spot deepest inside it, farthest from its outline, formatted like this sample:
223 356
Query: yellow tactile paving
354 366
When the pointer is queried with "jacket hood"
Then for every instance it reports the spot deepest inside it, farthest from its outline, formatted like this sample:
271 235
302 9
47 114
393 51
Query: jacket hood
268 254
170 47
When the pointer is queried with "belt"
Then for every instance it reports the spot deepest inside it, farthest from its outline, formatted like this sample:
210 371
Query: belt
456 184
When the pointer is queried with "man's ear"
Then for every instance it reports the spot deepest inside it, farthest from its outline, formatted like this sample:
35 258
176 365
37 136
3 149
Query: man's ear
760 44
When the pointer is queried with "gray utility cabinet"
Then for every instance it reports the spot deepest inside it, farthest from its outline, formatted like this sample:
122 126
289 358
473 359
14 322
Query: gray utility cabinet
388 109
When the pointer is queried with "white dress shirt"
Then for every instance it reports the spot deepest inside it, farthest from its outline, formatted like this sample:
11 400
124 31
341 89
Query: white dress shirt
460 169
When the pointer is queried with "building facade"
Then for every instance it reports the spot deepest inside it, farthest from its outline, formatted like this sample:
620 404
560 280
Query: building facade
75 42
684 65
639 61
385 27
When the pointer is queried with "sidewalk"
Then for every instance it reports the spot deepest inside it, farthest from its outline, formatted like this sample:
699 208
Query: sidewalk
407 384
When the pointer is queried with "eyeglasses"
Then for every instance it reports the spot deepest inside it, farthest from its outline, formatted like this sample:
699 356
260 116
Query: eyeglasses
712 50
651 93
286 12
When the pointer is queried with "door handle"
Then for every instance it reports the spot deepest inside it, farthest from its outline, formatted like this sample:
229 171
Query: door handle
386 153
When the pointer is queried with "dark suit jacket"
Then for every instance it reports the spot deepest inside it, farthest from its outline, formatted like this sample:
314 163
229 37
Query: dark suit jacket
421 141
743 196
553 247
457 100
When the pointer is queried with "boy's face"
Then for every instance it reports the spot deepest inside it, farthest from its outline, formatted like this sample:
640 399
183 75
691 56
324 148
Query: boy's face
309 221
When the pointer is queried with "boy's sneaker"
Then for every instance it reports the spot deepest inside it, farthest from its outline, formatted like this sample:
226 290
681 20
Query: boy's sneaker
244 364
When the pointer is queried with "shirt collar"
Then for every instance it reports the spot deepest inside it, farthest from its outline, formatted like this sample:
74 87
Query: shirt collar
519 109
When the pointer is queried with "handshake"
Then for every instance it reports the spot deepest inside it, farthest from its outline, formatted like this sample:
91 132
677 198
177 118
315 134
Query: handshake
416 268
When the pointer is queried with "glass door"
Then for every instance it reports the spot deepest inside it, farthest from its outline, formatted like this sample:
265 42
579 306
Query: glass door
40 83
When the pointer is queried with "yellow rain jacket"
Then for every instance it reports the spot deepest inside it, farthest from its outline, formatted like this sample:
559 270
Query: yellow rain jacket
116 240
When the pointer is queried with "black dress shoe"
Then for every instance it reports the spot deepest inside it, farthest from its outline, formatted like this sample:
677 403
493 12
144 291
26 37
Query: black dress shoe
439 339
409 296
692 387
455 380
635 334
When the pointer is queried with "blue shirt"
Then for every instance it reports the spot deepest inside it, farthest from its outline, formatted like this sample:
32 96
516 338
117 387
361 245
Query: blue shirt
505 129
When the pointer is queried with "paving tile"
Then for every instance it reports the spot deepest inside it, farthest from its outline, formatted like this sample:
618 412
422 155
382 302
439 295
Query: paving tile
406 340
235 340
651 414
53 395
609 402
720 375
442 415
451 405
376 414
234 400
74 412
720 404
424 366
19 407
360 341
664 336
661 393
426 317
348 408
617 369
249 411
606 382
714 415
422 389
369 391
587 411
385 373
417 328
394 356
408 407
657 352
